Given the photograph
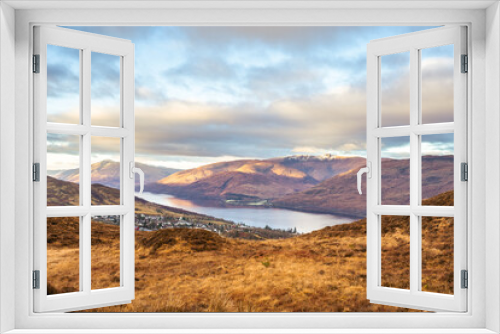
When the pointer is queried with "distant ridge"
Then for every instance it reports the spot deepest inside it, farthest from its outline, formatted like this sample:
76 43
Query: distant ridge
247 180
339 194
106 172
321 184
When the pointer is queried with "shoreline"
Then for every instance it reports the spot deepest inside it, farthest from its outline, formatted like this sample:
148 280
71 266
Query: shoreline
278 219
269 205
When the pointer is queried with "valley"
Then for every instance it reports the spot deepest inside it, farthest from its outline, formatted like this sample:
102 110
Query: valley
314 184
250 140
303 183
187 270
187 261
151 216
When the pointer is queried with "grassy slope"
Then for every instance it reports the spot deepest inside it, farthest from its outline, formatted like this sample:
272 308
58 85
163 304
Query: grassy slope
198 271
339 194
67 193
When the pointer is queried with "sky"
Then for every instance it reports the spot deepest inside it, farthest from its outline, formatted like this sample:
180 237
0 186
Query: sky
209 94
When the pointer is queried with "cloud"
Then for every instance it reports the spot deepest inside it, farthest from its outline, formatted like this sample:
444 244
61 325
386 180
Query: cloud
105 148
180 128
145 93
209 92
105 75
203 69
233 64
292 38
307 150
62 81
63 72
442 144
395 147
437 89
330 122
63 151
185 162
66 144
285 81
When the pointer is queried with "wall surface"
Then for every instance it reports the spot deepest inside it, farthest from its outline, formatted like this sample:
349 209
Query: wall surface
7 159
492 163
224 17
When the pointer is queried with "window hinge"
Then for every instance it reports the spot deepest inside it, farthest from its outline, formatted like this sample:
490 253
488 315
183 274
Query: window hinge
36 172
464 170
36 63
36 279
465 279
465 64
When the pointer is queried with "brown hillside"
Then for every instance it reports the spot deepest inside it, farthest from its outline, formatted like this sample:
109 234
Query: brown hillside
198 271
63 193
238 185
321 168
339 195
254 179
107 172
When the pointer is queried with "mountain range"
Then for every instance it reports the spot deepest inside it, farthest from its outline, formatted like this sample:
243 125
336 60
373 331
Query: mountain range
314 184
339 194
107 172
253 180
322 184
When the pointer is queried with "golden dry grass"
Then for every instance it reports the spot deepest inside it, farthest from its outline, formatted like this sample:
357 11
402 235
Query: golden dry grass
181 270
105 255
198 271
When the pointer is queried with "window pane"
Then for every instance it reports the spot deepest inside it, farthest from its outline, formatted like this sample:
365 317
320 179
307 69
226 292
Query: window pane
437 254
395 89
63 85
395 171
105 90
437 169
437 84
105 252
105 171
63 170
395 232
63 255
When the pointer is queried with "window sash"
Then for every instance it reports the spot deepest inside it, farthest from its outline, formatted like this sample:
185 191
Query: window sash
414 298
86 298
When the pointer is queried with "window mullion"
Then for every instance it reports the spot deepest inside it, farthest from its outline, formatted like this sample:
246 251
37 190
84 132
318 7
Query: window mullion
414 171
420 129
85 182
86 138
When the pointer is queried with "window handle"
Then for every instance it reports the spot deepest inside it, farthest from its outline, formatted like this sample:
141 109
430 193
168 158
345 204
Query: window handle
368 171
135 170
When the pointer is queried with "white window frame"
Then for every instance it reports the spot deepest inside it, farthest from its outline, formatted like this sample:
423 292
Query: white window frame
413 43
86 44
483 102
